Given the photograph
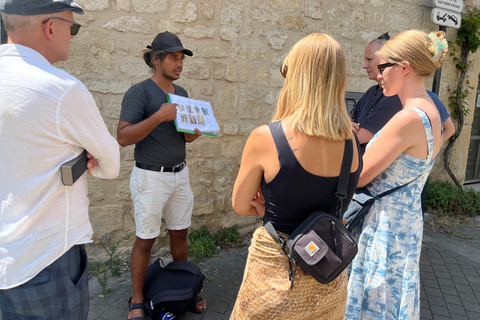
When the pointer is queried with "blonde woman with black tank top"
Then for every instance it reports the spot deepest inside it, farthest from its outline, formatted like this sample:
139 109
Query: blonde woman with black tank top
295 161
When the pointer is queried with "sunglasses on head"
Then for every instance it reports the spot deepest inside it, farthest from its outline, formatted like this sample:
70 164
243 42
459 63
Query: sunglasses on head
283 70
384 36
73 29
383 66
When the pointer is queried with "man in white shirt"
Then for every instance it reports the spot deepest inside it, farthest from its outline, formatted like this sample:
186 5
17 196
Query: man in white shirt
47 117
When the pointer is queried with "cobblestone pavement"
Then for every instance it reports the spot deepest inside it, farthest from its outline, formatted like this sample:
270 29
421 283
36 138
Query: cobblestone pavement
449 268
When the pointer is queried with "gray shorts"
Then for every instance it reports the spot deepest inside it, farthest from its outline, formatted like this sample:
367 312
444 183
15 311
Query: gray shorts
60 291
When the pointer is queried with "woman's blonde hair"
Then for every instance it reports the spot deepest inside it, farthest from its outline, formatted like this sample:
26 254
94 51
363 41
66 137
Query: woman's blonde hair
314 89
425 53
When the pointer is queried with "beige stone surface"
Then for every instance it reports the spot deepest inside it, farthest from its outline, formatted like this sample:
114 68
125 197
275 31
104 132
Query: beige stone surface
129 24
231 20
313 9
197 69
184 11
150 6
238 49
108 219
285 5
122 5
96 192
93 5
207 8
199 32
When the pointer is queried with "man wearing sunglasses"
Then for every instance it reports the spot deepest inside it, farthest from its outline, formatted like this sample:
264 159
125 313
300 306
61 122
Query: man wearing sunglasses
47 117
373 110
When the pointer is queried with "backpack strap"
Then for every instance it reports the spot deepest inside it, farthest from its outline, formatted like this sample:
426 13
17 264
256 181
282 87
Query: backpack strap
185 266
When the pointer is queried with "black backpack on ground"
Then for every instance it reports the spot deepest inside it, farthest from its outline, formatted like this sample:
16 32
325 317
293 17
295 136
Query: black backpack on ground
173 288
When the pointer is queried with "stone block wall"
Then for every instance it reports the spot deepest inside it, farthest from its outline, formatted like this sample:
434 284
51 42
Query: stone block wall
238 49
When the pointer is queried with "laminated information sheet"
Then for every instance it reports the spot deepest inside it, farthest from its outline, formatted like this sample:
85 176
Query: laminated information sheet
193 114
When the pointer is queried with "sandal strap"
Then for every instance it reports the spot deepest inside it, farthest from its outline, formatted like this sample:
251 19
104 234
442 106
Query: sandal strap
134 306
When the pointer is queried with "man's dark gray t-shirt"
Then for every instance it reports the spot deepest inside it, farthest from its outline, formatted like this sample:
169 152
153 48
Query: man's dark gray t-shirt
164 146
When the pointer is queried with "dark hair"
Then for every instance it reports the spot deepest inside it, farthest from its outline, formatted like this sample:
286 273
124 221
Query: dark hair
148 55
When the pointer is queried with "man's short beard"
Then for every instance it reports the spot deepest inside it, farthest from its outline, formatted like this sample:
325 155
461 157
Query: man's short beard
166 76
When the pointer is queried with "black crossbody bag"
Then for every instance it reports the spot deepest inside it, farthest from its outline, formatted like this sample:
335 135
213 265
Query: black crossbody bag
361 203
321 245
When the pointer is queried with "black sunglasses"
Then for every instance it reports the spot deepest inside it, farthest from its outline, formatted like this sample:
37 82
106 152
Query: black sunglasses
383 66
73 29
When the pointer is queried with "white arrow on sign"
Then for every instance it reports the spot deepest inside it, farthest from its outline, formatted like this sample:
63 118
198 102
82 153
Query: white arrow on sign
453 5
446 18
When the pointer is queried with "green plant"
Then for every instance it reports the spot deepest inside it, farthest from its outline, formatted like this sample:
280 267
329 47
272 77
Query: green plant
114 260
205 244
104 270
226 236
96 268
447 199
103 281
468 40
201 244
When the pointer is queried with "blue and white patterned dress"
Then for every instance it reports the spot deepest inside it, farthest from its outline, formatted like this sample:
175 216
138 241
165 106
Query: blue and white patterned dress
385 278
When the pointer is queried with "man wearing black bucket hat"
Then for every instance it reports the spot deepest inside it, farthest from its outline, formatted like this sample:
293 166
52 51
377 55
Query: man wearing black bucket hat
47 117
159 182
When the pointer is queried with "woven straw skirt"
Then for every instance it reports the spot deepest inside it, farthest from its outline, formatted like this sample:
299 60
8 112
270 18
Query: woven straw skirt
265 291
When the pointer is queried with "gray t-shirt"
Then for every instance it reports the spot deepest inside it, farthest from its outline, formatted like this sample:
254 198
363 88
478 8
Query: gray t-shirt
164 146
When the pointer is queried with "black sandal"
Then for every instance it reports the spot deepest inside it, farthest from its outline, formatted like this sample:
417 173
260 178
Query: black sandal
134 306
194 309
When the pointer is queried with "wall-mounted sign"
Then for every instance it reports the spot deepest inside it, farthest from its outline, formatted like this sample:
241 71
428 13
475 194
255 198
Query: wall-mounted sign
446 18
452 5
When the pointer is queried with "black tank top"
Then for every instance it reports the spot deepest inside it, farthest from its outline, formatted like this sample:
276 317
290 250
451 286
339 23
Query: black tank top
295 193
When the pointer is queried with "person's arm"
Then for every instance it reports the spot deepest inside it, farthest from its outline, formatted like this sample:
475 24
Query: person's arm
447 124
82 125
364 135
251 173
128 133
377 118
448 129
400 134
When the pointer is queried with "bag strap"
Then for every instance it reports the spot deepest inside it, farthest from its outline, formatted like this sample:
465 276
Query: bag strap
341 193
267 224
386 193
184 266
344 177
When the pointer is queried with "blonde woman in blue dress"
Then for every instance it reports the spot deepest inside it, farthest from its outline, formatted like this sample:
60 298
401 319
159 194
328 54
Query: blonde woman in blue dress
385 278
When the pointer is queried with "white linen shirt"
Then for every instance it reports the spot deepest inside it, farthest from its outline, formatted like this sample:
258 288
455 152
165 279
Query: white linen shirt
47 117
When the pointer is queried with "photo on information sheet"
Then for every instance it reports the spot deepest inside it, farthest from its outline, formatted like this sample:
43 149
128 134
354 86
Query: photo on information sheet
193 114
